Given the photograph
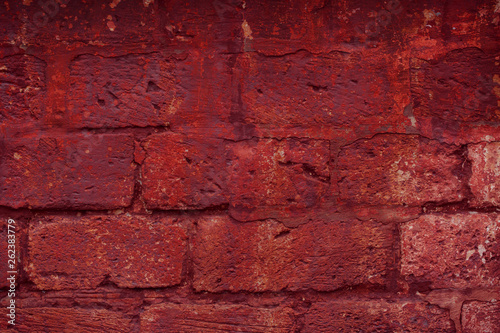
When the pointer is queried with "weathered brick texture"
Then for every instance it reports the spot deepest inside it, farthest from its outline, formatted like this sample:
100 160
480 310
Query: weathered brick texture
481 317
80 171
72 320
266 256
216 318
452 251
456 87
332 87
22 89
251 166
400 170
274 178
377 315
131 90
82 252
485 181
180 172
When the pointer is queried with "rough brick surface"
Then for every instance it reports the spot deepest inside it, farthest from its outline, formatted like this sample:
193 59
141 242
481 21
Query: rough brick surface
131 90
22 89
86 171
272 178
266 256
485 181
89 24
400 170
332 87
251 166
481 317
130 251
458 87
180 172
216 318
376 315
71 320
452 251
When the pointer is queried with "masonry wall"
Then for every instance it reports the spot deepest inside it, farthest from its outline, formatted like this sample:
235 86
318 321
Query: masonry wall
250 166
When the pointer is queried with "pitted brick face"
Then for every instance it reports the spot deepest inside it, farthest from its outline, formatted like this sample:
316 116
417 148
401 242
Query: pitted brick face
250 166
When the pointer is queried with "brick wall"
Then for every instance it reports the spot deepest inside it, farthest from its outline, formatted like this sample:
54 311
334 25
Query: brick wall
251 166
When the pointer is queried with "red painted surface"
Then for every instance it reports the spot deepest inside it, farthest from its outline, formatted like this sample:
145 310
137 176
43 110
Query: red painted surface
258 166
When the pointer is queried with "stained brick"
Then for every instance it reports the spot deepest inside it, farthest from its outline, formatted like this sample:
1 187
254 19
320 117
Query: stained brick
216 318
400 170
80 253
84 171
266 256
485 181
273 178
377 315
138 90
180 172
22 89
481 317
451 251
45 319
302 90
456 87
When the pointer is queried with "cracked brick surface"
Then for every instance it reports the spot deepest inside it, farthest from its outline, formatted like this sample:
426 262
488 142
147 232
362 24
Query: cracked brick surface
249 166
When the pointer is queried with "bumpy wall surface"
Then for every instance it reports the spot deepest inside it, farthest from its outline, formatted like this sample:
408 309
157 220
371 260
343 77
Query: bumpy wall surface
250 166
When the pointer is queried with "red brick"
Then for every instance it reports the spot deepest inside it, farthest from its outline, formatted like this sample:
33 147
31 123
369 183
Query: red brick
481 317
266 256
83 171
451 251
131 90
273 178
211 107
216 318
458 86
46 319
485 182
183 173
22 89
80 253
400 170
86 25
204 26
303 91
377 315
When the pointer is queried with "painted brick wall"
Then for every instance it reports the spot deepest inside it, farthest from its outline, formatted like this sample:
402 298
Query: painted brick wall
251 166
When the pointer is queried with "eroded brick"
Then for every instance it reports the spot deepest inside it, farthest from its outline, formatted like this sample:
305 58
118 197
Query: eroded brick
180 172
301 91
85 171
485 181
45 319
451 251
400 170
216 318
273 178
22 89
266 256
80 253
459 86
377 315
131 90
481 317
